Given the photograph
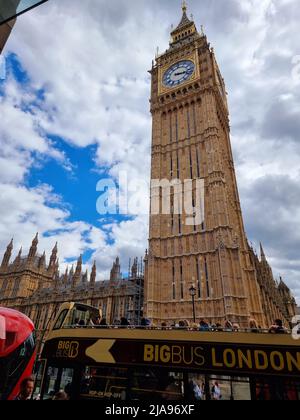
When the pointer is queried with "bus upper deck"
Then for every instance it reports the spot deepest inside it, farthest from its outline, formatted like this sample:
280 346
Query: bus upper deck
159 364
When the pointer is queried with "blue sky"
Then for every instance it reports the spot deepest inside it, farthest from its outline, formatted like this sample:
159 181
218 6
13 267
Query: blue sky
75 108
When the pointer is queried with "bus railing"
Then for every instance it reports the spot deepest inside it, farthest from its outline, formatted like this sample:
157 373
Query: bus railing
184 329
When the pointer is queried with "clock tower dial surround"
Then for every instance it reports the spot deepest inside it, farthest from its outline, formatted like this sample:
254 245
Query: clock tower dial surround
178 73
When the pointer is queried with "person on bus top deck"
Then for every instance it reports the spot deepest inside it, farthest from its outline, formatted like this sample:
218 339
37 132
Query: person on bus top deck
26 389
277 327
124 322
228 325
103 323
204 326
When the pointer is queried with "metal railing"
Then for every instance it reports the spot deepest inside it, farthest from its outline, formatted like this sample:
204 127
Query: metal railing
185 329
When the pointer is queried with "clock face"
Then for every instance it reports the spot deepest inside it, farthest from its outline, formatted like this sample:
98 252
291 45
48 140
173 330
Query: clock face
178 73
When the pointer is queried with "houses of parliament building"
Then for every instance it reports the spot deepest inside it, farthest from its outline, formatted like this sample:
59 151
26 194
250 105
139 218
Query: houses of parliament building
191 140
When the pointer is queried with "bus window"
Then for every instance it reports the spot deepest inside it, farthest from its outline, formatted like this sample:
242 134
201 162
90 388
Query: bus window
196 387
229 388
12 366
57 379
59 323
81 315
277 390
104 383
39 368
155 385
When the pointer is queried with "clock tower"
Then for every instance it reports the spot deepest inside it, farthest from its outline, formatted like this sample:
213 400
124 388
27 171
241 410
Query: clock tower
191 141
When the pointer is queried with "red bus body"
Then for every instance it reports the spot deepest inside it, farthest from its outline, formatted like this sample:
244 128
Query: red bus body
17 351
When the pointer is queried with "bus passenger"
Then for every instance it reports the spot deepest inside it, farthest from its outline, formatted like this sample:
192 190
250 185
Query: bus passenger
204 326
216 392
277 327
172 392
26 389
103 323
253 326
124 322
228 326
60 396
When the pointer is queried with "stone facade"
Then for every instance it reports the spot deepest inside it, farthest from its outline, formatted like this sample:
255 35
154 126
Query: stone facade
32 286
191 140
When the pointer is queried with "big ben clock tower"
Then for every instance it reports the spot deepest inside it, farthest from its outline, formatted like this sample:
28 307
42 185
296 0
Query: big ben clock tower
191 141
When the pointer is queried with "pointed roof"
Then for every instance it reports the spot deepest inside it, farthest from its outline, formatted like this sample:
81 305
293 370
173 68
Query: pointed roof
55 249
36 239
185 21
262 253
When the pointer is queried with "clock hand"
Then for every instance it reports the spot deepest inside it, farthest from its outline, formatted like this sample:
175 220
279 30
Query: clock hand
179 74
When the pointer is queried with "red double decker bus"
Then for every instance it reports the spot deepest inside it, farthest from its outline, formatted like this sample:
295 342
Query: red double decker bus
17 351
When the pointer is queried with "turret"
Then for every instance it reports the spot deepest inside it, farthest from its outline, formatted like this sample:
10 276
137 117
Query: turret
53 258
42 261
85 277
78 271
7 255
18 259
262 254
33 248
115 274
93 275
66 276
134 269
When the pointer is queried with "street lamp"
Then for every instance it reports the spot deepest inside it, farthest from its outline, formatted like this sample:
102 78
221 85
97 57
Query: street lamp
193 291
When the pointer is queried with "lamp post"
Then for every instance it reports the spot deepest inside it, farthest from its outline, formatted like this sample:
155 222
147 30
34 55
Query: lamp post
193 291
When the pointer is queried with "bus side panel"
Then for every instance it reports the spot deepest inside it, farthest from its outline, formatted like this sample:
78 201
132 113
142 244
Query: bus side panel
27 373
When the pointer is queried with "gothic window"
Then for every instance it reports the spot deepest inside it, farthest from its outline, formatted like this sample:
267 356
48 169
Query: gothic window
191 164
4 286
176 125
172 213
198 270
188 123
181 280
194 118
173 282
198 163
171 129
207 277
178 166
16 287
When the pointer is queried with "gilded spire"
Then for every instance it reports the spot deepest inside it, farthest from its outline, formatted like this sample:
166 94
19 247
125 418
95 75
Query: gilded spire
186 26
